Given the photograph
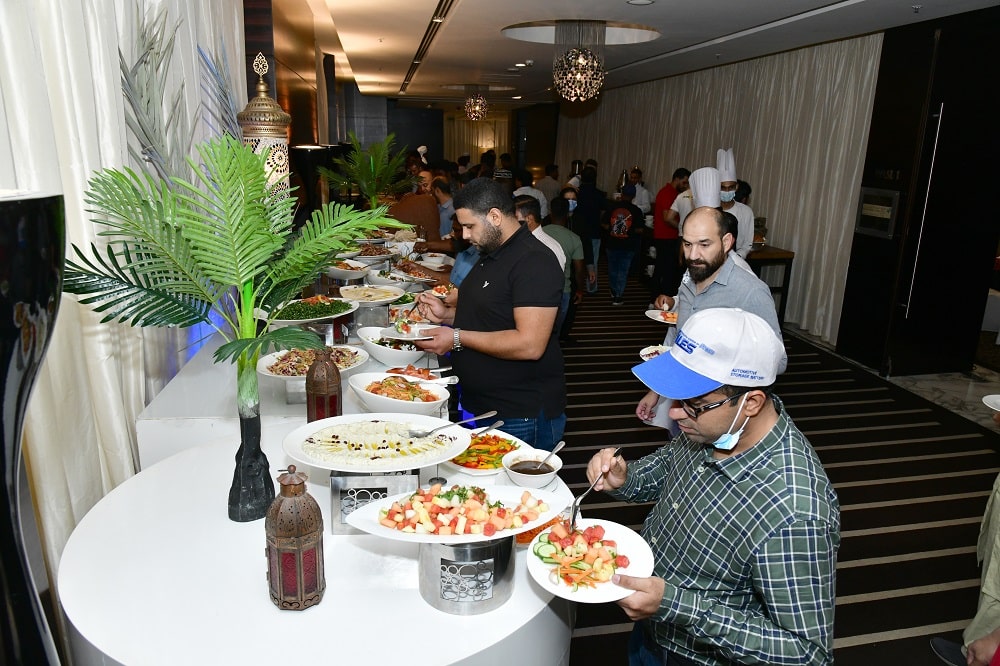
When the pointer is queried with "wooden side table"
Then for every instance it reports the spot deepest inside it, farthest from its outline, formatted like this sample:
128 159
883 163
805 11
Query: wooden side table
774 256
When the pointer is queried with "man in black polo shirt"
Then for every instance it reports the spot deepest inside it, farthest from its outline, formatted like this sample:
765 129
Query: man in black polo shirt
502 342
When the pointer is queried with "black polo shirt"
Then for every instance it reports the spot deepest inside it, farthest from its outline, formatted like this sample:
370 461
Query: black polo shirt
520 273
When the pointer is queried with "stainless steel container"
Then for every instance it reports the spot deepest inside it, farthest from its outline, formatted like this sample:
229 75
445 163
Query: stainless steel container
350 491
468 578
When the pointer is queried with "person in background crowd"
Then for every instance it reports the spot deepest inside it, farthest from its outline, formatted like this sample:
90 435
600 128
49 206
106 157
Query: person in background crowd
591 204
666 240
441 189
745 524
575 273
527 212
522 185
505 179
507 162
642 199
624 226
505 313
743 192
575 181
744 214
463 163
549 184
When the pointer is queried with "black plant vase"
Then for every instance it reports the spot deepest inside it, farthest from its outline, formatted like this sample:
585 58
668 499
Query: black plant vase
31 261
252 491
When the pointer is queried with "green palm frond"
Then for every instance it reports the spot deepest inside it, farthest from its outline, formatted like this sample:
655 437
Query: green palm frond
376 171
280 338
127 295
236 223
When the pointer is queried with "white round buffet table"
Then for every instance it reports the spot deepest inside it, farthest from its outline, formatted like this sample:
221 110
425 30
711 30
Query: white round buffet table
156 573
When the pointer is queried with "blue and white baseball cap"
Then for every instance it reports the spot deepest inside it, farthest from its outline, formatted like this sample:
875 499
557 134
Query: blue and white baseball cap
715 347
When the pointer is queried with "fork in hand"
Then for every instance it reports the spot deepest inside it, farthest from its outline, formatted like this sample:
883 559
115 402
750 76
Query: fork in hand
574 508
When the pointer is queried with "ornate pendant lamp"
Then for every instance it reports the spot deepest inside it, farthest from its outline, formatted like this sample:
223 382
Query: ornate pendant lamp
578 71
265 126
476 106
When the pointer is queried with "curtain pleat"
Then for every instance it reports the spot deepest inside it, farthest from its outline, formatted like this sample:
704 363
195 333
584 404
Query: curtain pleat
475 137
798 125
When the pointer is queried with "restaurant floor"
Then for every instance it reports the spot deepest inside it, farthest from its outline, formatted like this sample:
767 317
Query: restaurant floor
912 473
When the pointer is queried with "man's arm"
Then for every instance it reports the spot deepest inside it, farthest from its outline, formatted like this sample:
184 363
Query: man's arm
580 280
672 217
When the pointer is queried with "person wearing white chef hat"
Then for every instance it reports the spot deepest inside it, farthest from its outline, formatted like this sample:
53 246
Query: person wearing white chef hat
726 164
744 517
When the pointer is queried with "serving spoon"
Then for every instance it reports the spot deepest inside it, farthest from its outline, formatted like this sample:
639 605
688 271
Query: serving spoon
555 449
417 433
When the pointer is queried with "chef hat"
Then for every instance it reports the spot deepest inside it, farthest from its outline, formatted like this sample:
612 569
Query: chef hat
705 187
423 153
726 164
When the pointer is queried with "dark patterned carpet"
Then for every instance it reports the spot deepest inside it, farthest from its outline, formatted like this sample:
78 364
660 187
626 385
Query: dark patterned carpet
912 477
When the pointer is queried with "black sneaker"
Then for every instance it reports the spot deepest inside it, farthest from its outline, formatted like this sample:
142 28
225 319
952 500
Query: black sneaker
617 301
948 652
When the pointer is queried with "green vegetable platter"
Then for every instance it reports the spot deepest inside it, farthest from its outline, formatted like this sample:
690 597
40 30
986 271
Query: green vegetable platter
309 310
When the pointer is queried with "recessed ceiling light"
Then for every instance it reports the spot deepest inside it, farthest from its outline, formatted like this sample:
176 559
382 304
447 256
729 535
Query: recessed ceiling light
516 97
416 62
437 19
639 2
519 64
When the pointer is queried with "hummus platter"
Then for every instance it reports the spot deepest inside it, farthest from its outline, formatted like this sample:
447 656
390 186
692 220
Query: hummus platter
373 443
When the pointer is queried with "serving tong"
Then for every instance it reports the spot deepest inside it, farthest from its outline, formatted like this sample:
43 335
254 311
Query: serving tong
574 508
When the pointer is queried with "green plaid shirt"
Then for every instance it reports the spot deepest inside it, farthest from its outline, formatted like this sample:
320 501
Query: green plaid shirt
747 547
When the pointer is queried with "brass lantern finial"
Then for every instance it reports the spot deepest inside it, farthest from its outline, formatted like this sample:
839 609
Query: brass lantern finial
265 126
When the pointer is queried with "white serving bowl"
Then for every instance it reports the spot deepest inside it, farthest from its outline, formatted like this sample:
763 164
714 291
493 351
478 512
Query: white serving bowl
386 355
528 454
381 403
356 270
373 277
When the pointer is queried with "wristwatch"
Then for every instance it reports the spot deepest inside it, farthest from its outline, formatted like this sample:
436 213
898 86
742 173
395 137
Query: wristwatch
457 340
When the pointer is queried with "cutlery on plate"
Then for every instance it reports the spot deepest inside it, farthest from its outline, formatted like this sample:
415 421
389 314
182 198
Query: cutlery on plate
441 381
418 433
495 424
574 508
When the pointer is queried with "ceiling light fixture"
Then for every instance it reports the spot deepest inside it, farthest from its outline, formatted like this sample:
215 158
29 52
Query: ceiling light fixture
578 71
476 106
639 3
438 19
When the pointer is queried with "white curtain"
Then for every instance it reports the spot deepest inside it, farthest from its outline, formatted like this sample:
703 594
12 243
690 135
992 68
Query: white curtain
475 137
798 125
62 56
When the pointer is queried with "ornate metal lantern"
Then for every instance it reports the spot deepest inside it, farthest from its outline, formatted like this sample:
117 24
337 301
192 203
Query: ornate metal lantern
265 126
322 387
294 527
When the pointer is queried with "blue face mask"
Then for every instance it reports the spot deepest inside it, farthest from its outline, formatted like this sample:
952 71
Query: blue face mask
726 197
729 440
572 205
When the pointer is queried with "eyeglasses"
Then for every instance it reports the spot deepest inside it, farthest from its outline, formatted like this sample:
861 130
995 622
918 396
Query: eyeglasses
695 412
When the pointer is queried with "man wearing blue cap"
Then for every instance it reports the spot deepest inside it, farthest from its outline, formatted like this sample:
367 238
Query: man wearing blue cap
745 526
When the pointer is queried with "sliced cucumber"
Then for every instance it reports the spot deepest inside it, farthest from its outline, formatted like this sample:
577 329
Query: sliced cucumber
544 549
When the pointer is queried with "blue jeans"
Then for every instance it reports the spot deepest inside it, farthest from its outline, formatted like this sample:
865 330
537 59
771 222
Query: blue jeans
596 244
539 432
618 265
640 653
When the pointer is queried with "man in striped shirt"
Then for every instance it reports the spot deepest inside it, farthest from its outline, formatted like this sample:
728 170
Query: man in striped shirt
745 526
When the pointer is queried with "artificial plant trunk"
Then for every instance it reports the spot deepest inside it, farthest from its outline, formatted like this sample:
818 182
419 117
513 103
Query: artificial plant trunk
252 490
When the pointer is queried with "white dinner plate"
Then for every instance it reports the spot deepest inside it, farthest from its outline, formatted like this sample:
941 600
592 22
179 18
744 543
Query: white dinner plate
417 333
629 543
347 254
658 315
295 440
471 471
652 351
279 323
403 275
264 362
992 401
366 518
375 259
369 295
355 270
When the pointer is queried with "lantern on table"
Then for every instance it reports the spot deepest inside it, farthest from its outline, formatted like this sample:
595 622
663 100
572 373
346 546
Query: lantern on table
322 387
294 527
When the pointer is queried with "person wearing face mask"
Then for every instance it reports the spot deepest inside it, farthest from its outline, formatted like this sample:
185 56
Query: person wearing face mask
745 524
743 213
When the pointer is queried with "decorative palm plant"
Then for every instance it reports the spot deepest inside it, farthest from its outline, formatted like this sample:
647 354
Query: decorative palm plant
376 171
178 251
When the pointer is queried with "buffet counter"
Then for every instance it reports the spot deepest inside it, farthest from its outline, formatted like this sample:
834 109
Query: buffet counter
199 405
156 573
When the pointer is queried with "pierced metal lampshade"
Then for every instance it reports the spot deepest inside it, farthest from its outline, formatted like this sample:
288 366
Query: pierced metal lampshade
265 127
578 74
476 107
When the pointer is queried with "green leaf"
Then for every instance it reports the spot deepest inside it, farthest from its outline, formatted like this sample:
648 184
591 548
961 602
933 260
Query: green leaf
280 338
